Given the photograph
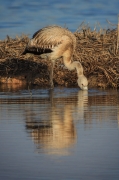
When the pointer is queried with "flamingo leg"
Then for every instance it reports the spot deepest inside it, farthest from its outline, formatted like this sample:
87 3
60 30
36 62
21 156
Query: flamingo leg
44 56
51 74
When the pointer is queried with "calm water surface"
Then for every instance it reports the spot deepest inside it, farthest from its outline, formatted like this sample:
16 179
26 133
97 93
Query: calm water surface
65 134
27 16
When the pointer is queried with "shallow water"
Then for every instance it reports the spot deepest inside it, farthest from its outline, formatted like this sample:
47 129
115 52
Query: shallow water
26 17
63 133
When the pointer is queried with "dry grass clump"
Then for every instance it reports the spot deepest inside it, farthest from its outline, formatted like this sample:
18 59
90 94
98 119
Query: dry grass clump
97 51
99 56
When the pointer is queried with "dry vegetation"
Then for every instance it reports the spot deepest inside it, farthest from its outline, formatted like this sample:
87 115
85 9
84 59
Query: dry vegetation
97 51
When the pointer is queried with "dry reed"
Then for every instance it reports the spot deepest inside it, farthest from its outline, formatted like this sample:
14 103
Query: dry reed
98 52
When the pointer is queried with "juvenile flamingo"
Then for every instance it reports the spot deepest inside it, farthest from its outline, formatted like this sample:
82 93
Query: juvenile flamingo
60 42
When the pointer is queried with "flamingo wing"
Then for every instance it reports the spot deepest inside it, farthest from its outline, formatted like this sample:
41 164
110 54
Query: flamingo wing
49 37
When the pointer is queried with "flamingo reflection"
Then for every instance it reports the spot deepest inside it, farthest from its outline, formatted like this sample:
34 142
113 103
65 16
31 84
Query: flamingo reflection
52 125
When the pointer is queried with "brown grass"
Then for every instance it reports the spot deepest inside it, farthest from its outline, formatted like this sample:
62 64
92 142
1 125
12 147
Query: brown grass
97 51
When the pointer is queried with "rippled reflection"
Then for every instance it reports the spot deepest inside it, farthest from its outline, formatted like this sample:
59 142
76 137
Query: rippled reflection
52 125
50 132
52 116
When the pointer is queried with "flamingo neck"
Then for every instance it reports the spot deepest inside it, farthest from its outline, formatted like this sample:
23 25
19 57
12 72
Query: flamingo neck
73 65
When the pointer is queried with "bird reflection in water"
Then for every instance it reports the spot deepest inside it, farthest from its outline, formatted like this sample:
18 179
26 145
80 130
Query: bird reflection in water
52 125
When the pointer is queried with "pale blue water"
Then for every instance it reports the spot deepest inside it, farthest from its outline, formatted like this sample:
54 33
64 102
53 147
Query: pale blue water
63 134
23 16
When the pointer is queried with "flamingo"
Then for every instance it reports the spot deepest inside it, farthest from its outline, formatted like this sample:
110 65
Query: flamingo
58 42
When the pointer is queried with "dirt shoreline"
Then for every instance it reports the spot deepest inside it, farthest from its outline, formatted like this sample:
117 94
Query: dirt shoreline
97 51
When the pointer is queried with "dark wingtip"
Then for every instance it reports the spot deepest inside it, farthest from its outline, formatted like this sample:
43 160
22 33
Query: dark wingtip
24 52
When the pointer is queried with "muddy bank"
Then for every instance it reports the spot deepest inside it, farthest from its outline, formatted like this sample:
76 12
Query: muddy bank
97 51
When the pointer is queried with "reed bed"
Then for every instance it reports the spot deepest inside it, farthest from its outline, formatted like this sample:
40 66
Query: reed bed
98 52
